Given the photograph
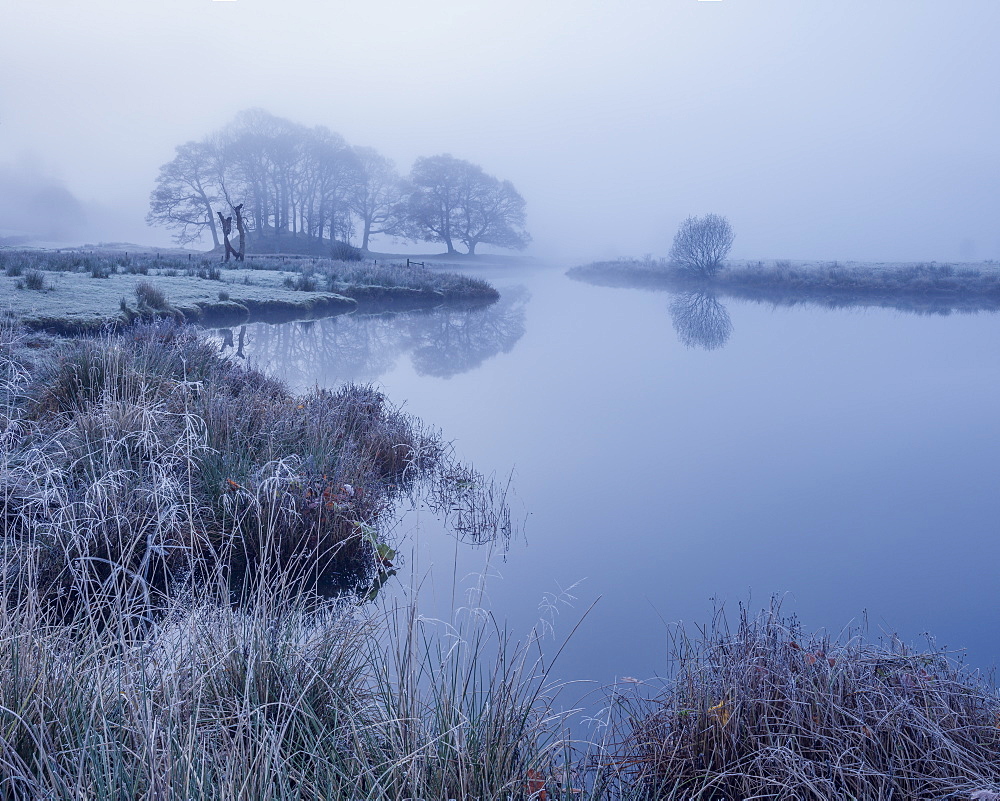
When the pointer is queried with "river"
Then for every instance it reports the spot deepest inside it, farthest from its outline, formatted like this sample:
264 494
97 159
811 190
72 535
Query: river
670 457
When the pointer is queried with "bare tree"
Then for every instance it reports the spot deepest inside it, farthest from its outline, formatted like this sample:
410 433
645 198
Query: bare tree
186 189
454 200
493 214
241 229
433 207
305 188
378 195
701 244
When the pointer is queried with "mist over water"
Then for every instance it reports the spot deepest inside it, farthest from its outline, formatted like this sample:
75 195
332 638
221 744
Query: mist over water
849 130
669 450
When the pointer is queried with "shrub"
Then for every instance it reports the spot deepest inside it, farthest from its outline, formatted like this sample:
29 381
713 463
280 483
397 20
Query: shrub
223 295
33 279
342 251
302 283
150 296
772 711
701 244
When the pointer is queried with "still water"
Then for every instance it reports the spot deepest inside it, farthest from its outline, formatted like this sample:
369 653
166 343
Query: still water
673 452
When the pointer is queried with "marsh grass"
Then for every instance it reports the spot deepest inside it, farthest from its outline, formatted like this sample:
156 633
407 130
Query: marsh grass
149 296
164 630
280 699
768 710
33 279
149 452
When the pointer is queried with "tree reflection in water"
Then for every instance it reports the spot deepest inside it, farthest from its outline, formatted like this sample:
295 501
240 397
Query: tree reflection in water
361 347
700 320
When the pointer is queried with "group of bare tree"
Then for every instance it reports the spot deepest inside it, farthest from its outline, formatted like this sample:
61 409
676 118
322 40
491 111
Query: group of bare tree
308 185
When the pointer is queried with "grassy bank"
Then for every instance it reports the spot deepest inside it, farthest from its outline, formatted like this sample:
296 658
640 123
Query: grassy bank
922 288
73 293
175 532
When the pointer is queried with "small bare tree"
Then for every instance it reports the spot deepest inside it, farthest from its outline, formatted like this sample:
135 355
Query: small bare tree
227 229
701 244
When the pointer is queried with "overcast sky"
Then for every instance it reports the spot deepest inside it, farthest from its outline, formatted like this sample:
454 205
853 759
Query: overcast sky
832 129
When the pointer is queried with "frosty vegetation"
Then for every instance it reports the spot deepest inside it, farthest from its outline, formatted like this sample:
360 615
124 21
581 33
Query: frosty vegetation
76 292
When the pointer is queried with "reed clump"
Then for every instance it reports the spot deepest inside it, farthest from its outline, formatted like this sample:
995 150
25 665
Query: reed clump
165 630
769 710
149 453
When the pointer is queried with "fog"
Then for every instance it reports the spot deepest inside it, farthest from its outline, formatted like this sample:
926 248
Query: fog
847 130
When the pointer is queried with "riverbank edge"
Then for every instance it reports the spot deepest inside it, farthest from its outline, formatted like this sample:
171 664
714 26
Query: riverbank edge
915 286
224 314
272 290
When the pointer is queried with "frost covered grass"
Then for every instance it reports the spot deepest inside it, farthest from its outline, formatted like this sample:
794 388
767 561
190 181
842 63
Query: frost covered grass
769 710
271 288
173 526
920 287
147 452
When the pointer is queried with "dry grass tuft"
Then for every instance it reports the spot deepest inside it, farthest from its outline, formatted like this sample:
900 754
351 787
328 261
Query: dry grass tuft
771 711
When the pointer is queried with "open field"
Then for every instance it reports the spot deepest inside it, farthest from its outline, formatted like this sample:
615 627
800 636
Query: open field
915 287
72 293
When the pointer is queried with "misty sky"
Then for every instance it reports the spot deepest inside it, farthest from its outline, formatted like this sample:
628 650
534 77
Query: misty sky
832 129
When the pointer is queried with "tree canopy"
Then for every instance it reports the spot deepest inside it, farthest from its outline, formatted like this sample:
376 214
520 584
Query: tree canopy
304 188
454 200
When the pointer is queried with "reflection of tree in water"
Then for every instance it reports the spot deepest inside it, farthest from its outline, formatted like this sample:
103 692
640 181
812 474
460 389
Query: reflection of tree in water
459 341
700 320
361 347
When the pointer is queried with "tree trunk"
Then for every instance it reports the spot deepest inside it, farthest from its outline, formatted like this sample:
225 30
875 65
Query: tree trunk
211 220
242 229
227 227
367 235
472 248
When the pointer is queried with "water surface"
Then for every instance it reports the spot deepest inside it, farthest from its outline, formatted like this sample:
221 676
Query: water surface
672 450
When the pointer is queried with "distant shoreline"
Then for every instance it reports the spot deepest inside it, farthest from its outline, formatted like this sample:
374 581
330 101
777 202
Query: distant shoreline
917 287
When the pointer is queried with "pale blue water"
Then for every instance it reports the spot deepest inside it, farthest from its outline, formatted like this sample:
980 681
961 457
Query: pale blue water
848 460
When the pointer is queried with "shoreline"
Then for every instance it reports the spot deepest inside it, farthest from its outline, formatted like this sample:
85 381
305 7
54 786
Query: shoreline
73 294
915 287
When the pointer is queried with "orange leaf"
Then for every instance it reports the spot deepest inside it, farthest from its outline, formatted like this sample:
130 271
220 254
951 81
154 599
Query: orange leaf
536 785
720 712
